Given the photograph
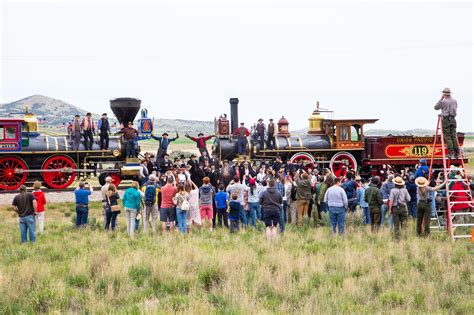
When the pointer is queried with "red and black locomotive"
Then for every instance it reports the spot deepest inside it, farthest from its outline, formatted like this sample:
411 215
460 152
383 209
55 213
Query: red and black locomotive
339 144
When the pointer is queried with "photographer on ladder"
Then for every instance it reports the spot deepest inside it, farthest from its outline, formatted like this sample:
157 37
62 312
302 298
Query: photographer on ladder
449 107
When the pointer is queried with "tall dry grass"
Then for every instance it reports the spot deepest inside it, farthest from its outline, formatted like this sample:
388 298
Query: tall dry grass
307 270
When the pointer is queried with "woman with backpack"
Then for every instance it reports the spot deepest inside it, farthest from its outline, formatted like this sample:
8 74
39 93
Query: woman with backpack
181 201
113 207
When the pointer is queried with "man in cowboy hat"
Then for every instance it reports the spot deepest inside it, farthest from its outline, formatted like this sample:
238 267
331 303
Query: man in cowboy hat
200 142
424 195
449 106
260 129
398 206
271 134
164 142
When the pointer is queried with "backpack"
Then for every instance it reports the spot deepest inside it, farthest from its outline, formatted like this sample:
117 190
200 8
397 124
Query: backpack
150 194
424 173
293 192
185 205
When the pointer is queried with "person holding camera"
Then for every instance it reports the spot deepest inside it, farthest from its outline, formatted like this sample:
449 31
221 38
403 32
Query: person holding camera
424 195
82 194
449 106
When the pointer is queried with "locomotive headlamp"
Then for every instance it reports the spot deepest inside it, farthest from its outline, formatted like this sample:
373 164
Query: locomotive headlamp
116 153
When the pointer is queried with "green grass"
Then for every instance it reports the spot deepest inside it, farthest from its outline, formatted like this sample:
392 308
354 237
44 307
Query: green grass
308 270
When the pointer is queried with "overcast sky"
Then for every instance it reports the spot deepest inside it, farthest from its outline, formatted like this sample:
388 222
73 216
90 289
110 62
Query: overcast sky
185 60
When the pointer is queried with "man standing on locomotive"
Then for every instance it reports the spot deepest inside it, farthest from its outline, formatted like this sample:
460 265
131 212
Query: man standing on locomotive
260 129
88 129
104 129
129 133
200 142
242 133
76 132
164 142
271 135
449 107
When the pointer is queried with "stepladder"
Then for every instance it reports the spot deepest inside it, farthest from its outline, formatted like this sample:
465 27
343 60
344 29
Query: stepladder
457 195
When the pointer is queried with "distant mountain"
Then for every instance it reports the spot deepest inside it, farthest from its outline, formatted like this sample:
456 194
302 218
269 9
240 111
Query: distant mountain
53 113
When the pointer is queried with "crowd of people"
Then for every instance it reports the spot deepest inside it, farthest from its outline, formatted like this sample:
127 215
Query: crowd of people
208 193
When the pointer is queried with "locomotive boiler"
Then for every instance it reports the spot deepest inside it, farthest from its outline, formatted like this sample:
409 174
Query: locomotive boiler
27 155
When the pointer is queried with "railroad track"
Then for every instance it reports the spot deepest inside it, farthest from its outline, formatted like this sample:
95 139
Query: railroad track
69 189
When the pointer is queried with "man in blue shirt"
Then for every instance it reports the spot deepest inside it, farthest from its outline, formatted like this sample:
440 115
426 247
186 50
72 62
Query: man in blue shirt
350 188
164 143
82 203
423 170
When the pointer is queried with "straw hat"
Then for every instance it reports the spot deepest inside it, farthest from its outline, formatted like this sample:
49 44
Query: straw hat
398 181
446 91
421 182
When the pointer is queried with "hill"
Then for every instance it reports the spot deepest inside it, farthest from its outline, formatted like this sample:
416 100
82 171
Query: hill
50 110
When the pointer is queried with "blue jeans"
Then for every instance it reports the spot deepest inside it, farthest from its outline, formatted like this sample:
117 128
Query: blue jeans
181 216
433 203
412 208
27 226
130 148
384 212
337 217
283 216
324 207
254 208
82 213
366 214
242 215
242 145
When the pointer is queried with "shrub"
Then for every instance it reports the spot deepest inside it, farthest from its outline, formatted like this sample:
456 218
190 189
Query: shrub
139 274
210 276
80 281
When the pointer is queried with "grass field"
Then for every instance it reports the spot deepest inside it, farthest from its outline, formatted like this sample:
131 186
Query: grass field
307 270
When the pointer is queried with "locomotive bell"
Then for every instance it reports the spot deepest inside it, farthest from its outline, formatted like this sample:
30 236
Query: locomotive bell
315 121
283 127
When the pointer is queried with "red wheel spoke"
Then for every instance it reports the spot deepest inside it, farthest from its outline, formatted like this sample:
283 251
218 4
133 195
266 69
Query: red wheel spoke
58 179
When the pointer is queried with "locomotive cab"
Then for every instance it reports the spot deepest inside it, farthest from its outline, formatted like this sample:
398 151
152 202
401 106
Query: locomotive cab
11 135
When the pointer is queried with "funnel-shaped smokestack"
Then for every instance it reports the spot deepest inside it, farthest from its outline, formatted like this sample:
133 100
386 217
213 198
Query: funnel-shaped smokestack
234 113
125 109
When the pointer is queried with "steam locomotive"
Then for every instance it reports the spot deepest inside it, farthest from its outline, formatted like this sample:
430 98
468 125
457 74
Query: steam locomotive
27 155
338 144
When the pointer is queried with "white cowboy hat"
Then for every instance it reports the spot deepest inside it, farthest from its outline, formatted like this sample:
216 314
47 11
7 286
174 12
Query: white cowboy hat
398 181
421 182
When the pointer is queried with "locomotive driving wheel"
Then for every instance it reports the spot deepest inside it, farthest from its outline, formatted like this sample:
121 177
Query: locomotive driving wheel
301 156
59 171
342 162
11 175
116 179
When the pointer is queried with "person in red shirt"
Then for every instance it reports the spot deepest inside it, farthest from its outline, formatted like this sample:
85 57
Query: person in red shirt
242 133
167 210
40 201
200 142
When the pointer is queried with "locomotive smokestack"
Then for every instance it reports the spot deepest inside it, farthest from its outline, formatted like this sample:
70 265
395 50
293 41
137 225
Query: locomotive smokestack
125 109
234 114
